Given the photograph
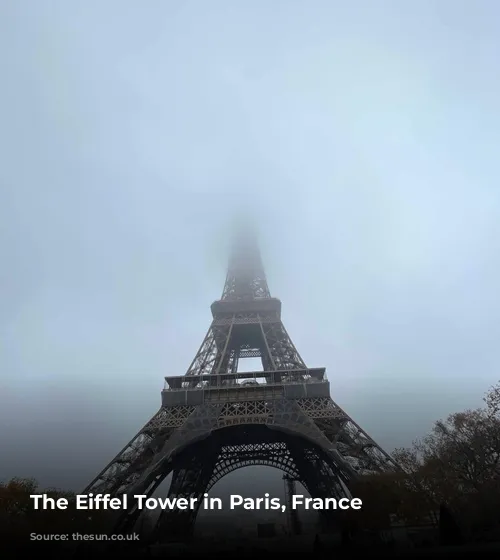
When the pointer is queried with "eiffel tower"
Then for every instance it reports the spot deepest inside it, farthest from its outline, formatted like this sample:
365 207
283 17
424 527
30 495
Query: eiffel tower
214 419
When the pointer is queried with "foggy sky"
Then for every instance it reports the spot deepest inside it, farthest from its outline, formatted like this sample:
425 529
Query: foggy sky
364 138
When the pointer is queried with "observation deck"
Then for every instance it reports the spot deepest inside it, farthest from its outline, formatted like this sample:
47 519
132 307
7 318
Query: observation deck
193 390
250 305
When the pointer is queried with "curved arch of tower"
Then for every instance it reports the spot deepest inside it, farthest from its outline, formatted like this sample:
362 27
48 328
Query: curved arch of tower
214 419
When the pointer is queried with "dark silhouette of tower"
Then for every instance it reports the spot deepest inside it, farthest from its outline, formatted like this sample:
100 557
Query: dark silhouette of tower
214 420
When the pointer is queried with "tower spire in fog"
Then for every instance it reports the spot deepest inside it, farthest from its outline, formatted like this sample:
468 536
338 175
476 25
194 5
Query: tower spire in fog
245 278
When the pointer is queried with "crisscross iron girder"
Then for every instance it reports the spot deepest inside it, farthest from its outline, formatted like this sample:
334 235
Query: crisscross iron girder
230 339
355 446
251 329
236 448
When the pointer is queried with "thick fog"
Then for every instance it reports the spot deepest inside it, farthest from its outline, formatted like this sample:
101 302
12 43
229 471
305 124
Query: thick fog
363 137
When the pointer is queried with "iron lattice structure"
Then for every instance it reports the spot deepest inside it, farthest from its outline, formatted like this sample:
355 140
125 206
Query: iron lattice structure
214 420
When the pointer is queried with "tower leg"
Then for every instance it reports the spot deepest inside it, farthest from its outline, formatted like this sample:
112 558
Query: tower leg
190 479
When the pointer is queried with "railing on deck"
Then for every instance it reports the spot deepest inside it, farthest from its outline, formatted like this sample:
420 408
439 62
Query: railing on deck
245 380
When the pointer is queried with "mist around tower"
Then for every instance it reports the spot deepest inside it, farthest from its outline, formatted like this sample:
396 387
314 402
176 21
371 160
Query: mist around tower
250 258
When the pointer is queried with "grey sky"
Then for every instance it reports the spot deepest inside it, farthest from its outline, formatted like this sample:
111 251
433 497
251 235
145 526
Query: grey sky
364 135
